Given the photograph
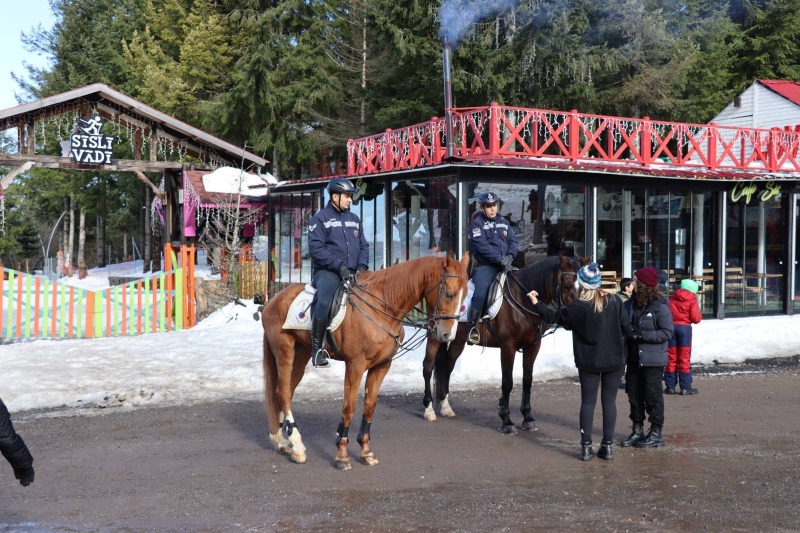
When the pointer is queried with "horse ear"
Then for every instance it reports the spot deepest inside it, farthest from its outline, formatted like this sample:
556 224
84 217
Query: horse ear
465 260
586 260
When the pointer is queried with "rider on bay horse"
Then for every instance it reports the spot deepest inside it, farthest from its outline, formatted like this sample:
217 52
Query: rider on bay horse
494 247
338 247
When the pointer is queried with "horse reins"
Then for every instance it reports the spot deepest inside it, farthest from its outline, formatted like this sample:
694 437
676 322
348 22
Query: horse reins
358 291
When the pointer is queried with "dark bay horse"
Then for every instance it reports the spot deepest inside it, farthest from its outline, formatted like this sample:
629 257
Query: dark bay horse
516 327
366 341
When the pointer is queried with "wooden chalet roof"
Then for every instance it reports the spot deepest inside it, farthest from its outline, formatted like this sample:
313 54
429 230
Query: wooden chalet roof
112 105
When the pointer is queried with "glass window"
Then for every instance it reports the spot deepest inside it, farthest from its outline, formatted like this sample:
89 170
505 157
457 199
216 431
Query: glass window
670 230
368 204
423 217
290 257
755 260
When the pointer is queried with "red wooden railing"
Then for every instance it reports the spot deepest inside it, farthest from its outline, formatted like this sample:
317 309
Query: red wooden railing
511 132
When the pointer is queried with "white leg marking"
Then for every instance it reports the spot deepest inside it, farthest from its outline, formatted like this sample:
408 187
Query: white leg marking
446 410
429 413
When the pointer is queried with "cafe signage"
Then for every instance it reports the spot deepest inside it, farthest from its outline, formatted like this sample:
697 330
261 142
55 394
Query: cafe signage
761 191
88 145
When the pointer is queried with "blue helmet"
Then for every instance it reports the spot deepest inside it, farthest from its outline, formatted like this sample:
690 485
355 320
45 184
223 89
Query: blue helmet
488 198
341 185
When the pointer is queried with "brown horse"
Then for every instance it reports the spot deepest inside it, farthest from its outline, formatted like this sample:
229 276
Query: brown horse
516 327
366 341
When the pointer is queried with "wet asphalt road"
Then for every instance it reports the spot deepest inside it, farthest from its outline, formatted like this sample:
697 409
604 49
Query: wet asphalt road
731 463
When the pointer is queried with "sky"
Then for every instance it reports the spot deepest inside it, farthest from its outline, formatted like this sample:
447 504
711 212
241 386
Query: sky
19 16
220 359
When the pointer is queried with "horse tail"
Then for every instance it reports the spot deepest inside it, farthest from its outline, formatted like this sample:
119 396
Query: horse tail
441 373
270 387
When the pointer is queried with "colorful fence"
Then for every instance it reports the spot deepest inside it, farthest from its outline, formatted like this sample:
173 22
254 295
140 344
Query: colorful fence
34 307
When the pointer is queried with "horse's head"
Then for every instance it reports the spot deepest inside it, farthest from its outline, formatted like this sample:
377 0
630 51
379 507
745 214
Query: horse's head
446 296
568 267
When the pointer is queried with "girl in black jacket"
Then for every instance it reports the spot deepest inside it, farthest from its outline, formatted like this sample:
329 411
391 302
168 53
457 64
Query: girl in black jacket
13 448
651 320
599 324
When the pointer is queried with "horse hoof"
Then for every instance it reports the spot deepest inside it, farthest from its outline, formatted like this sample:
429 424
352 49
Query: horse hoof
530 426
449 413
429 414
509 430
283 450
369 460
342 464
298 458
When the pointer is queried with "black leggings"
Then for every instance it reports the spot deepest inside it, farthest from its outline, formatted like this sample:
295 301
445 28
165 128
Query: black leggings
608 383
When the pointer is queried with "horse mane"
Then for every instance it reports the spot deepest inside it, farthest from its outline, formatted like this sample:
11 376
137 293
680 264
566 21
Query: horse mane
539 276
400 281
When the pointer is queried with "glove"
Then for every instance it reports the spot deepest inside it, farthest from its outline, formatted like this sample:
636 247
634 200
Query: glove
505 262
361 268
24 475
345 273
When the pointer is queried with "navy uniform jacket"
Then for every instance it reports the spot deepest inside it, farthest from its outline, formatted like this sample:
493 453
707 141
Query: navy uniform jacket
492 239
336 238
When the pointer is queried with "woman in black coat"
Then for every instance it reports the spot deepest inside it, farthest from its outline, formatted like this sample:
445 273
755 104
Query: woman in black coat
651 320
13 448
599 324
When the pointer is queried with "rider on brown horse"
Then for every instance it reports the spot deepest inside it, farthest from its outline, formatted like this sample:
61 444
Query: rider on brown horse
494 247
338 247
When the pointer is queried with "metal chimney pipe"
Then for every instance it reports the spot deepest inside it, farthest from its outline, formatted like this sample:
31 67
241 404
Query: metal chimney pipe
448 97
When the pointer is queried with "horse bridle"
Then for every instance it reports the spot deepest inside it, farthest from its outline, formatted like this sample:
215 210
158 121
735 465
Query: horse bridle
430 322
558 288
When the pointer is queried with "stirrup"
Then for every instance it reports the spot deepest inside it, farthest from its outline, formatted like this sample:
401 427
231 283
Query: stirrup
474 336
320 359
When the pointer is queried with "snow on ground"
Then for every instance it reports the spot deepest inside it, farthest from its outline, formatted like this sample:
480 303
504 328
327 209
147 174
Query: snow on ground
220 359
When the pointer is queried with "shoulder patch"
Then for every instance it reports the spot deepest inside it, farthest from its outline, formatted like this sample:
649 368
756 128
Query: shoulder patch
476 232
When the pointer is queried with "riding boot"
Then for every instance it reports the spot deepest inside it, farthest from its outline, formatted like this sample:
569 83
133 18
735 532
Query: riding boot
653 439
606 450
319 355
587 454
636 436
472 319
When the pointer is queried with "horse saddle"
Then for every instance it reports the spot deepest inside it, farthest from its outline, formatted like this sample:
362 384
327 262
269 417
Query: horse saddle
494 298
299 315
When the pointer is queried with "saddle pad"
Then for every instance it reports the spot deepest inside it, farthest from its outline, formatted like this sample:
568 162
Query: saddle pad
495 296
299 315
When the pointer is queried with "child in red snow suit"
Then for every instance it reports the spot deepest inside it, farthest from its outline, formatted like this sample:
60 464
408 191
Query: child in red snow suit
685 312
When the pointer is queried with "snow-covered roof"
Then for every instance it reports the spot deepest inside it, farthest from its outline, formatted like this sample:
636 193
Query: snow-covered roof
230 180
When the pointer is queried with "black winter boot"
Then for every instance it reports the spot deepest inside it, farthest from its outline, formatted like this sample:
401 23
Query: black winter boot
473 315
653 439
636 436
587 454
606 450
319 355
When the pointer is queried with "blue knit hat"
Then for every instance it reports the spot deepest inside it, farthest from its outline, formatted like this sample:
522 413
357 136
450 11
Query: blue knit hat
589 277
